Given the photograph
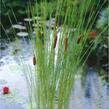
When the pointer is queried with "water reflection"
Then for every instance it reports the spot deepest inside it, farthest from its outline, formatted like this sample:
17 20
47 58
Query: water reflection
94 95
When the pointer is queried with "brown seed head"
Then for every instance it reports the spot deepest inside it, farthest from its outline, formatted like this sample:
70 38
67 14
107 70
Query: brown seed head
79 39
66 43
34 60
55 40
93 35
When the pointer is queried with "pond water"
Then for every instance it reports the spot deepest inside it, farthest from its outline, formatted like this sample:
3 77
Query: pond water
93 95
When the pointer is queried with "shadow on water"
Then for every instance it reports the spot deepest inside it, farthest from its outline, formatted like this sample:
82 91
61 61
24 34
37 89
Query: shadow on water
90 78
96 90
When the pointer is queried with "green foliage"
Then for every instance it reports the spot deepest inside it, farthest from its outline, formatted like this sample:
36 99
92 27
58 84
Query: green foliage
56 66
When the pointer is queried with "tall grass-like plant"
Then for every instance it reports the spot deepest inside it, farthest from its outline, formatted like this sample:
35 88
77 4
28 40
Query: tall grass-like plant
61 53
59 56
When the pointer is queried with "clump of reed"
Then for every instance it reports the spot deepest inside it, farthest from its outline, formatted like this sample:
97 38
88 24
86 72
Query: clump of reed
60 53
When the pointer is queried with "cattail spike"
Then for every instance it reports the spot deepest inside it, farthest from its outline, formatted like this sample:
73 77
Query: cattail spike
66 43
79 39
55 41
34 60
92 34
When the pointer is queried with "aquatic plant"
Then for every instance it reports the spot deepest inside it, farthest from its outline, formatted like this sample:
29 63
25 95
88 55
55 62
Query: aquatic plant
61 55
